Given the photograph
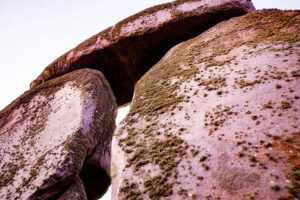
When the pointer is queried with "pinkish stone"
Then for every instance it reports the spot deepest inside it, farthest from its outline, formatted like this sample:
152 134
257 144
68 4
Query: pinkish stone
52 133
218 117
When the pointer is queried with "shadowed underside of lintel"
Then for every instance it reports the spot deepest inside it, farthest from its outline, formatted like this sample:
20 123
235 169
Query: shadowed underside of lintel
124 52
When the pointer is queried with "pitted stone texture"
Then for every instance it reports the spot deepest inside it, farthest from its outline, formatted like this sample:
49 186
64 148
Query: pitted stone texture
217 117
49 133
127 50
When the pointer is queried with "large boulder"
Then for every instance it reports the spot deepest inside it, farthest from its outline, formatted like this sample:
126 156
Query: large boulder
124 52
218 117
56 138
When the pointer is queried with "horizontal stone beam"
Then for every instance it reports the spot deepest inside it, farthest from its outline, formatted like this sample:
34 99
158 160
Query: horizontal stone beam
124 52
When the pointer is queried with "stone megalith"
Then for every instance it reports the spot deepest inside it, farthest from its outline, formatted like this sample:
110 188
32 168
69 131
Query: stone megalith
218 117
55 139
125 51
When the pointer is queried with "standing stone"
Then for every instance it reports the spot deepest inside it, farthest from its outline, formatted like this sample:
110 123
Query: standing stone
52 132
127 50
218 117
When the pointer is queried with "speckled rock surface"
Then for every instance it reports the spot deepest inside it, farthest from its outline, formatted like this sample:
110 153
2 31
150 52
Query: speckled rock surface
50 134
125 51
217 117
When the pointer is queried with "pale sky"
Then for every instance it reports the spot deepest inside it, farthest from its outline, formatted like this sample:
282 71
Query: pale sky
35 32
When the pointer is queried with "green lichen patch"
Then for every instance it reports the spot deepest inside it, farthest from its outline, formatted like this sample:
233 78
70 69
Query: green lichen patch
213 83
155 92
275 25
217 117
268 105
131 191
163 187
242 83
285 105
164 153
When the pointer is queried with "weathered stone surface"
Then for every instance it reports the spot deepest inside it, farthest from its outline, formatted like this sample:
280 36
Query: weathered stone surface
127 50
53 131
217 117
74 191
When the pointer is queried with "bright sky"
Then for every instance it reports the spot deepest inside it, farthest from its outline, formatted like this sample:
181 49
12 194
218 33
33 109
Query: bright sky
35 32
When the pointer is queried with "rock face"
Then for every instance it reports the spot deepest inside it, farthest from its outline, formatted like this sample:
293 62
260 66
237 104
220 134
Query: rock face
54 133
217 117
127 50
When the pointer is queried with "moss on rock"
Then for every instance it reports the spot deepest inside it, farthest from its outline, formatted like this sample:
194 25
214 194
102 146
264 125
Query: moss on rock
207 120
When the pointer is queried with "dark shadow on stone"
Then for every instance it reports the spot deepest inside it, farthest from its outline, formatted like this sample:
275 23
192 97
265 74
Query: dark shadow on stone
95 181
127 58
55 190
124 64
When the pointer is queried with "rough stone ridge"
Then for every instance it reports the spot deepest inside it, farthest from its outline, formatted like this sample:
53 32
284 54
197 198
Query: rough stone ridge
217 117
52 133
127 50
